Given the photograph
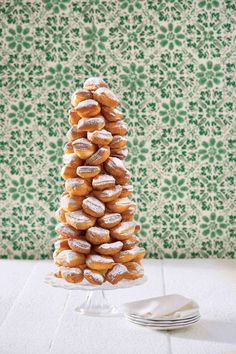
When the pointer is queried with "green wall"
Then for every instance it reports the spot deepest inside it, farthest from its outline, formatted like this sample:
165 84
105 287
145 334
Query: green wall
172 63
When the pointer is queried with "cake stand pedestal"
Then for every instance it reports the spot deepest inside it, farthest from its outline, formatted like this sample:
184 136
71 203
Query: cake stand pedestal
96 303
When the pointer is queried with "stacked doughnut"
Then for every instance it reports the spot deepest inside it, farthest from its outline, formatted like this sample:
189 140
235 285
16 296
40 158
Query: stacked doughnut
96 238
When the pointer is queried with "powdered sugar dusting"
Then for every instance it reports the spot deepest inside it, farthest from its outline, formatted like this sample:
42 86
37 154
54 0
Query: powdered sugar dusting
87 103
99 259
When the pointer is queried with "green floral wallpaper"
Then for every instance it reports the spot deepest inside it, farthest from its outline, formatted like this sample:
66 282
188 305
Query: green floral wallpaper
173 65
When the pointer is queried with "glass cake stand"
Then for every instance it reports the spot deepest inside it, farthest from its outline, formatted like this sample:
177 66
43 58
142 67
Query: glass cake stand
96 303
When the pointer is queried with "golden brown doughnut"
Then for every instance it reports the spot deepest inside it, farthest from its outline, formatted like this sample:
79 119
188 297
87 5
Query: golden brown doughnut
77 186
116 274
69 203
88 171
119 205
93 83
135 271
97 235
66 231
124 230
118 142
124 256
108 221
103 181
93 276
105 97
109 249
130 243
61 244
88 108
79 96
57 272
68 258
139 254
72 275
68 148
108 195
99 156
72 160
79 245
117 128
83 148
91 124
74 133
68 172
126 190
128 215
79 220
98 262
73 117
120 153
60 215
100 137
115 167
124 179
111 114
93 206
137 227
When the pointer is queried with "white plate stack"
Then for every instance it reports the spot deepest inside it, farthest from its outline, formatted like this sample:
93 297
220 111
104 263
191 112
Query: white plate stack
163 313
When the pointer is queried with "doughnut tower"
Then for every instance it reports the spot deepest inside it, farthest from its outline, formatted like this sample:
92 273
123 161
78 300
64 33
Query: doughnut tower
96 239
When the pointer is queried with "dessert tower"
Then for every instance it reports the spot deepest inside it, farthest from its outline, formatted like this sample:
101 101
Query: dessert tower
96 239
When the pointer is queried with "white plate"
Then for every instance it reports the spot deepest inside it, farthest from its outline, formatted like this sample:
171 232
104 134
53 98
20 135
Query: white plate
167 318
161 323
165 327
163 320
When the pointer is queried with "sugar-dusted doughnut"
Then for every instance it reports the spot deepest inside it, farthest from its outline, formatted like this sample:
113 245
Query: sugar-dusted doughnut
68 172
79 245
83 148
118 142
88 171
103 181
126 190
139 254
66 231
60 215
79 96
117 128
109 220
135 271
105 97
111 114
91 124
100 137
72 160
124 230
119 205
98 262
109 249
78 186
120 153
124 256
108 195
68 258
123 180
116 274
88 108
72 275
130 243
97 235
79 220
115 167
73 117
128 215
93 276
57 272
99 156
61 244
93 83
71 203
68 148
93 206
75 133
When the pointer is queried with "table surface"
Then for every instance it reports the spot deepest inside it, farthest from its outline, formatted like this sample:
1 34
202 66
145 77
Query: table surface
36 318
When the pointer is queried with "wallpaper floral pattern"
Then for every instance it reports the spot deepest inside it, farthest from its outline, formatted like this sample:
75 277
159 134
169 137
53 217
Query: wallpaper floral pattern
173 65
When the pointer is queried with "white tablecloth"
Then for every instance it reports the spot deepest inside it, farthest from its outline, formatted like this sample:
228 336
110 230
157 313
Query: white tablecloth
38 319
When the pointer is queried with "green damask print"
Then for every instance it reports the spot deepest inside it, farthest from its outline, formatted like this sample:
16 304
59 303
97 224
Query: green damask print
172 64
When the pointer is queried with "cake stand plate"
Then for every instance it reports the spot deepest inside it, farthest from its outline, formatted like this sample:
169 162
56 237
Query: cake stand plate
96 303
